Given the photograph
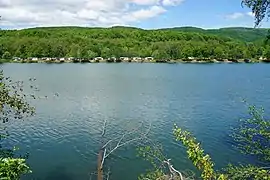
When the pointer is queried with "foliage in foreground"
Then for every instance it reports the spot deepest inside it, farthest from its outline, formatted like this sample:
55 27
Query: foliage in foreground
253 135
13 105
252 138
12 168
196 154
260 9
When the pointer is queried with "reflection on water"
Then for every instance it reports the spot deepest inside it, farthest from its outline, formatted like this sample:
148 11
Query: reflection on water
64 137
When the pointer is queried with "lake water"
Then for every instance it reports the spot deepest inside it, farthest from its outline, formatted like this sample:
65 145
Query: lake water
63 138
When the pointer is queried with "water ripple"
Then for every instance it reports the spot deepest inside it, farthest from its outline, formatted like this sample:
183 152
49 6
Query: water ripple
65 135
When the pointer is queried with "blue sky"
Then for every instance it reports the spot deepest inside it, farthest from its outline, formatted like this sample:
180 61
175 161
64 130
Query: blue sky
205 14
148 14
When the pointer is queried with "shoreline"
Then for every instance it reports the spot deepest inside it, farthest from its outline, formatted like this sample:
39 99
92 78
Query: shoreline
182 61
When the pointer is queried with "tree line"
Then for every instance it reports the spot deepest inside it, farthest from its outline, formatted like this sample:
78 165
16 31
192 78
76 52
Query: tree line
82 42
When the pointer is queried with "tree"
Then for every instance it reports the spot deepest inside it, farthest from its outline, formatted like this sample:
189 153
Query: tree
252 136
91 54
260 9
13 105
72 42
6 55
111 144
266 52
219 52
105 52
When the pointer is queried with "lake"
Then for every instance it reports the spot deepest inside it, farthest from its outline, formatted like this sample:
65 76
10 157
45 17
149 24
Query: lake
63 138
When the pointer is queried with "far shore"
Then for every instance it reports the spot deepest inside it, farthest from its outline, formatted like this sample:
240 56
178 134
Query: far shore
101 60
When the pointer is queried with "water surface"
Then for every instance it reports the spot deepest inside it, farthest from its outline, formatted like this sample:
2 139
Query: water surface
63 138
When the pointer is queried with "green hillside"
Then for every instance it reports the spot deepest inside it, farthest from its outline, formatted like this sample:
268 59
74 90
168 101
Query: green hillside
239 33
120 41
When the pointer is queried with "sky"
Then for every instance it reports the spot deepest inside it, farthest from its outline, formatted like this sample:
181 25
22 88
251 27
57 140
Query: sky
146 14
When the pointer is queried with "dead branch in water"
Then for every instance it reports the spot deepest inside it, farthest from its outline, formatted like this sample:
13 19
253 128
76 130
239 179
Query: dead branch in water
115 143
120 142
99 169
173 171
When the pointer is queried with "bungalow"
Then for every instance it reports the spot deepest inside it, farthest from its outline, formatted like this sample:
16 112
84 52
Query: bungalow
136 58
71 58
149 59
98 58
48 59
124 59
16 59
34 59
214 60
112 59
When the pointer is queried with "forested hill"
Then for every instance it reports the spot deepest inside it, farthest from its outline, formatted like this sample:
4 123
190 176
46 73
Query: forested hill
240 33
127 41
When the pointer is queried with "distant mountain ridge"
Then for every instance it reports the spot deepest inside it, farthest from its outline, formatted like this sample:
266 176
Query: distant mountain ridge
120 41
239 33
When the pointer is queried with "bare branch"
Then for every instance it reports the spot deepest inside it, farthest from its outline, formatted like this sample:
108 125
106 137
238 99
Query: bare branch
108 175
103 158
111 140
113 144
173 170
119 144
107 143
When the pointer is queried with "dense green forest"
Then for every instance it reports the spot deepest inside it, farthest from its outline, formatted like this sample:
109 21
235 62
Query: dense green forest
239 33
174 43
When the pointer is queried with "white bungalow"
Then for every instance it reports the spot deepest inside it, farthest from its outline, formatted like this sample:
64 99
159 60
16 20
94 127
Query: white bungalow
149 59
48 59
124 58
16 58
62 59
34 59
136 58
262 58
98 58
112 59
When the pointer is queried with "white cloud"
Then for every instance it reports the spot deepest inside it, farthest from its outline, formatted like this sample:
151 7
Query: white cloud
251 14
235 15
146 2
238 15
29 13
147 13
171 2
